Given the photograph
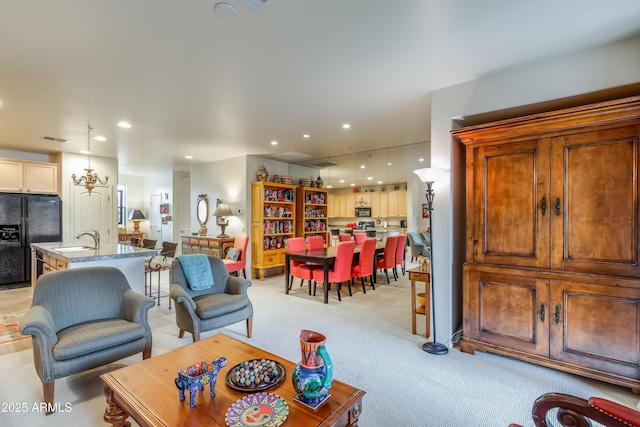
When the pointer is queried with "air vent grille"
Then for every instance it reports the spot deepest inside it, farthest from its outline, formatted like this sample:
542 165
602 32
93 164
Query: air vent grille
255 4
325 164
54 139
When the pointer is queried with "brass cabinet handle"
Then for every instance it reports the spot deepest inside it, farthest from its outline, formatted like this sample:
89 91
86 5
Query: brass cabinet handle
558 206
542 312
543 205
557 314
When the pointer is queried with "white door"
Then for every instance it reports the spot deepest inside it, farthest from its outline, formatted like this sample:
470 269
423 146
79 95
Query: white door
155 230
92 211
182 217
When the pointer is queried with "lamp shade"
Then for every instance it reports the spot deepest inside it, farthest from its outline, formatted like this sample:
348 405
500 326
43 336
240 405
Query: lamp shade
428 174
223 210
136 214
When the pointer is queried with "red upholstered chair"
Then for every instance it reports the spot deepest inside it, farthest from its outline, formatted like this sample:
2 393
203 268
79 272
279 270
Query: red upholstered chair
359 238
344 237
400 255
315 242
576 411
388 259
240 243
296 244
364 268
341 271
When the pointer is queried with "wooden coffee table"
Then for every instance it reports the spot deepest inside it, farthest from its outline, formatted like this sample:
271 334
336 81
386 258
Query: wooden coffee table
147 392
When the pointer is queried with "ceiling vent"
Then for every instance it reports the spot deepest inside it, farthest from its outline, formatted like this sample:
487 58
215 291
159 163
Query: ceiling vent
291 156
54 139
255 4
325 164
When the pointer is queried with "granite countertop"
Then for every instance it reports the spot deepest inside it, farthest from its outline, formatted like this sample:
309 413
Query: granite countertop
106 251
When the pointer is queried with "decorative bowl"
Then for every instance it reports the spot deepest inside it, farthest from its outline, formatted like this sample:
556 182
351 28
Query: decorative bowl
304 182
421 298
286 179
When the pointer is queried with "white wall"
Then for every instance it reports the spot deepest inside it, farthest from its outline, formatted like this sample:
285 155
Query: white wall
571 75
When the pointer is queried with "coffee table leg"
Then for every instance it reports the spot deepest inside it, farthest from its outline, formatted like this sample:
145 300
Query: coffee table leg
114 414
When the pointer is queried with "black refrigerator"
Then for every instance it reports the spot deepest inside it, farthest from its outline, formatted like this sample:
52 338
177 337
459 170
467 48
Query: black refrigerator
25 219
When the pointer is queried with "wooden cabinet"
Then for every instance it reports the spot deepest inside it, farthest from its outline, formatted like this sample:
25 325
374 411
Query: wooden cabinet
396 203
332 211
383 204
273 219
552 252
374 200
28 177
50 264
213 246
311 213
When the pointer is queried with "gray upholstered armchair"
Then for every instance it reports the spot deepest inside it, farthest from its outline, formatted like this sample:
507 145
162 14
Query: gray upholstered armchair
224 303
84 318
416 245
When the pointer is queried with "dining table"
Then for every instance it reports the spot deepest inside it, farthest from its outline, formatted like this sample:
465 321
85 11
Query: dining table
326 257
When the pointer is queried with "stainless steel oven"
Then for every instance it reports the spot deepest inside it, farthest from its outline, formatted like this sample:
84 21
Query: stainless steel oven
363 212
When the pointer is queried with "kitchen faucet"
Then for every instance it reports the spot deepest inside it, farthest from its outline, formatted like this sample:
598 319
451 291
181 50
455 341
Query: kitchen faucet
95 235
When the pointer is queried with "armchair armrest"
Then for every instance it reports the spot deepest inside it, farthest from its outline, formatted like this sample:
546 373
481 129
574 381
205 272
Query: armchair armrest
38 323
181 296
134 307
237 285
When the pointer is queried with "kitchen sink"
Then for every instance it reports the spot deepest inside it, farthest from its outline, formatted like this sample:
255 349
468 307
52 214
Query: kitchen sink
72 248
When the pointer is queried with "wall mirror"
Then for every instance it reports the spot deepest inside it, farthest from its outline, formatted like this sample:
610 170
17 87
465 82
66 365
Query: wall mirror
202 209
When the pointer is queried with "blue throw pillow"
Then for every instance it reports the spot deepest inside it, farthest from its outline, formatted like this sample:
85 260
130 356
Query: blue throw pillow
233 254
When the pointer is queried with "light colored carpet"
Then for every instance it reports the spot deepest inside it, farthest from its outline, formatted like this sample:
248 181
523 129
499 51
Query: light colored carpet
370 342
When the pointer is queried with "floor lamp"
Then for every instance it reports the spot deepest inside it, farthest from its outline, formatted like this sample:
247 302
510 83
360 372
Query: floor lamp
428 176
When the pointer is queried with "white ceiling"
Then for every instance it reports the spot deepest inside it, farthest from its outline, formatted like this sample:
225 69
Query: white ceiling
195 83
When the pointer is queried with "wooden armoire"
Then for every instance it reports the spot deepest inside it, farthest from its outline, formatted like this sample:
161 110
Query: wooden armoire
551 274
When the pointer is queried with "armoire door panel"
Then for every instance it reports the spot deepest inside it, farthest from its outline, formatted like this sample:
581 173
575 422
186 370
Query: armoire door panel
511 227
596 326
594 180
509 311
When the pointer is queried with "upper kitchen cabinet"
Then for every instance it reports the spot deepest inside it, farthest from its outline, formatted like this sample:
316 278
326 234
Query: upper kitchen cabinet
396 203
28 177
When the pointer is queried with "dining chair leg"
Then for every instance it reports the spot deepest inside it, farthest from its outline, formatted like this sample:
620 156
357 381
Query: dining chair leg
338 286
290 282
386 273
363 289
309 285
349 282
373 282
244 273
301 282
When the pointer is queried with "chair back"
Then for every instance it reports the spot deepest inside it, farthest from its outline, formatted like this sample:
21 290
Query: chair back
344 257
389 258
168 249
367 255
400 249
295 244
79 295
149 244
241 242
359 238
218 270
315 242
426 237
343 237
416 245
135 241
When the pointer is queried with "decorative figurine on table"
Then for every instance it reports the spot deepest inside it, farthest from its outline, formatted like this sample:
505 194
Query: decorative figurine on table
196 376
313 375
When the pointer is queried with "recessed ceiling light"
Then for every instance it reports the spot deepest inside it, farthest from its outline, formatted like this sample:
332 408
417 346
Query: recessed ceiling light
225 10
352 184
85 152
370 178
421 160
342 180
124 125
306 135
389 163
379 182
362 166
346 126
188 157
100 138
274 142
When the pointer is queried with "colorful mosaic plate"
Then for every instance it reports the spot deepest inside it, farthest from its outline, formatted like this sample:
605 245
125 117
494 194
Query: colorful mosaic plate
257 410
275 371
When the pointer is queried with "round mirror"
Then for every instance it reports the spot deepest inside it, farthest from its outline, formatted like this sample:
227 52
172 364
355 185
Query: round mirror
202 209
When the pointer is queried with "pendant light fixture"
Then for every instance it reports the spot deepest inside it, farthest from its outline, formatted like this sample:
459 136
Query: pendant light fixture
90 179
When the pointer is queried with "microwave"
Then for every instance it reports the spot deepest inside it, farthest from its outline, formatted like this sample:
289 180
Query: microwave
363 212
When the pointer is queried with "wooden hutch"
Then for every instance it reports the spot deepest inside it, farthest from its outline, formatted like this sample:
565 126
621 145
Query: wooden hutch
552 268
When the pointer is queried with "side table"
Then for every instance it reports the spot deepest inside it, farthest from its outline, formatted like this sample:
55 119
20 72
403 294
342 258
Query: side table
418 275
125 237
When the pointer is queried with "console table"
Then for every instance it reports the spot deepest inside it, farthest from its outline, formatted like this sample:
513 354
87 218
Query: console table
125 237
419 275
214 246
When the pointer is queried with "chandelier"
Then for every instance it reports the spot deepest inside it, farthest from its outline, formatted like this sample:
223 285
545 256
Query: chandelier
90 179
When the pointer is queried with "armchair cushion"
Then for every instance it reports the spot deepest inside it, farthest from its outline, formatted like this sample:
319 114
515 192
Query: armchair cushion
215 305
98 335
197 271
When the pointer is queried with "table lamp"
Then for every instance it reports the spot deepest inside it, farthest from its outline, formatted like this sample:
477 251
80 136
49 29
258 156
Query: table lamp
136 216
222 211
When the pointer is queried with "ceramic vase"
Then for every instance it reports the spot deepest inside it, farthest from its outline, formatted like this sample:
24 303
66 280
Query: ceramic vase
313 375
319 182
262 173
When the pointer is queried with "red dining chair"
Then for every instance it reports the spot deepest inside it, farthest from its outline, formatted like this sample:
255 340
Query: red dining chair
364 268
388 259
236 258
341 271
344 237
359 238
400 255
315 242
299 269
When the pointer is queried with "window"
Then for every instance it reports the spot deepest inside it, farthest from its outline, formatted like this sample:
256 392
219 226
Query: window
122 205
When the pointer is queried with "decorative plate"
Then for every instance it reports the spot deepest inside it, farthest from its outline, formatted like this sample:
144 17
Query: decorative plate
256 375
257 410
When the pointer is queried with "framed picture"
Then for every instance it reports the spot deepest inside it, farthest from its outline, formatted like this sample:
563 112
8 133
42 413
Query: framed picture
164 208
425 210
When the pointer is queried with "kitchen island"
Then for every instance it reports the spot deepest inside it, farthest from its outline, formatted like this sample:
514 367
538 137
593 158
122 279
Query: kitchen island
51 256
